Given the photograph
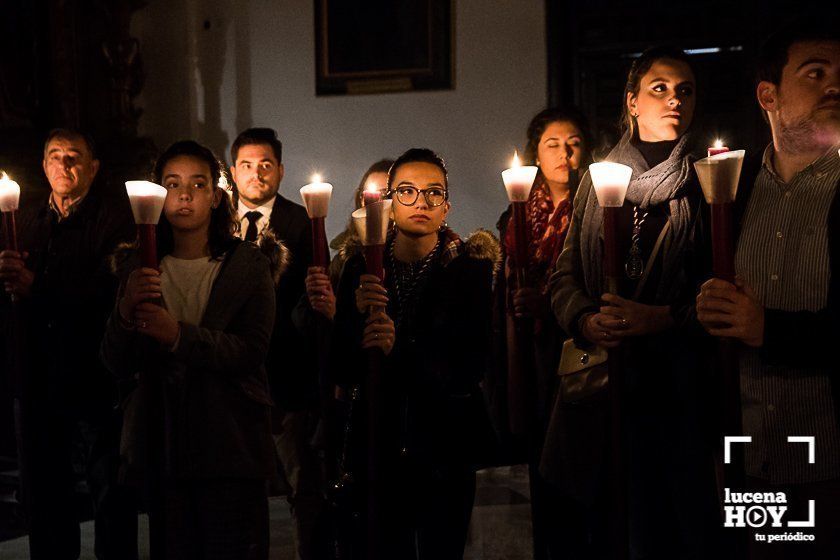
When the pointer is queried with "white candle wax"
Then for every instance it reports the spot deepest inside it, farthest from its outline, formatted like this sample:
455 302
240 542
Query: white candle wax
371 222
9 194
518 180
146 200
316 198
719 175
610 182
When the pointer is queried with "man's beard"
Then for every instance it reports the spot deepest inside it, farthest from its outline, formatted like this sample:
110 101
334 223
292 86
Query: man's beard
819 129
260 196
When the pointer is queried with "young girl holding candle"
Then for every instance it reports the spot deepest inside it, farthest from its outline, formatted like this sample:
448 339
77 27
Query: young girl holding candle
558 144
430 319
201 325
672 503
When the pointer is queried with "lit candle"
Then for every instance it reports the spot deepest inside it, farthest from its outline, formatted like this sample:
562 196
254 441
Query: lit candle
371 194
518 180
371 223
719 175
717 148
316 197
610 181
146 200
9 194
9 202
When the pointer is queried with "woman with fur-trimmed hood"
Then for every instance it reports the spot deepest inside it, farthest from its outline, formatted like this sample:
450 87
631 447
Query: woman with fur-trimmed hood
431 321
191 338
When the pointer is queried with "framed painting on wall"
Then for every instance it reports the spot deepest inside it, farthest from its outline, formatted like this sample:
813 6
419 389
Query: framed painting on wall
379 46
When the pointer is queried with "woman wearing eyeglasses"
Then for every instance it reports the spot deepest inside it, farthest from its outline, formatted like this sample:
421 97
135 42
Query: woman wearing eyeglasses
431 321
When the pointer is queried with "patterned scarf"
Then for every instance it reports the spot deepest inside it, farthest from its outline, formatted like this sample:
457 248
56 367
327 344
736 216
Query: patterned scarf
547 231
672 183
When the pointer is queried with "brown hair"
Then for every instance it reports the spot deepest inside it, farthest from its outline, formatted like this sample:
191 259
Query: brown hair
540 122
258 136
381 166
223 223
640 67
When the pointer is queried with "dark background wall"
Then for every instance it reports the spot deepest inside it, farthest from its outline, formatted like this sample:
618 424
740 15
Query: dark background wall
590 46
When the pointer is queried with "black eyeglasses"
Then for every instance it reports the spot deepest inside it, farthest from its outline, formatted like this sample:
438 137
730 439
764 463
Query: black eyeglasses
435 196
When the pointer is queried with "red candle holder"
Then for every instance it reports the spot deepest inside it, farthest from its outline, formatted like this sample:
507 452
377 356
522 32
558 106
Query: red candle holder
371 223
9 203
518 181
146 200
316 198
719 175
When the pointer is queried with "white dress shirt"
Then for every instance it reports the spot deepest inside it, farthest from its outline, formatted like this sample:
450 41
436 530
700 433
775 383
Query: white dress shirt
265 210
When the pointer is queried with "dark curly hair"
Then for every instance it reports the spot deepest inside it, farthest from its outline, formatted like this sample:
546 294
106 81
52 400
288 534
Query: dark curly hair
223 223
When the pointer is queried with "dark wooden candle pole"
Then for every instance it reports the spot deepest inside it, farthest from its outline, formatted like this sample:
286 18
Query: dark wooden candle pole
619 518
319 243
16 378
522 389
10 227
148 245
719 177
521 367
372 223
147 203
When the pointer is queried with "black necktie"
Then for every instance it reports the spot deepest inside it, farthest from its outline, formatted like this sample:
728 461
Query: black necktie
253 217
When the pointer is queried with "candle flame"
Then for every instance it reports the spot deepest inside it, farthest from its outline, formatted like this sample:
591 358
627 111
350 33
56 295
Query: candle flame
515 161
718 144
316 178
3 176
372 187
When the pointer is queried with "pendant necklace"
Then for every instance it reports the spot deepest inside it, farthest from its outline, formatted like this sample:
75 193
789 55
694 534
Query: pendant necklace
634 266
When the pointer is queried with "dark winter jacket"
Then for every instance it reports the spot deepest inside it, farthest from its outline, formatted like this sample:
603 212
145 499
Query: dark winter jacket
217 395
73 293
291 362
435 414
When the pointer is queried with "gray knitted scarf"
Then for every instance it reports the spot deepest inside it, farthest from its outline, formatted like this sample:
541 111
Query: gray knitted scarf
669 182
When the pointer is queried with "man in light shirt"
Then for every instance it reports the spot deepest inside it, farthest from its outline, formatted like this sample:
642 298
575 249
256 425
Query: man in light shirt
292 366
783 306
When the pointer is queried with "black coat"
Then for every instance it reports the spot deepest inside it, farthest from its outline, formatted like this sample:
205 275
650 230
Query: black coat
217 397
436 416
291 362
72 296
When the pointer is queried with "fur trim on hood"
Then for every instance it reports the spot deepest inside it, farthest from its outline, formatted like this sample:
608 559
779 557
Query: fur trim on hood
278 255
482 244
124 258
350 245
